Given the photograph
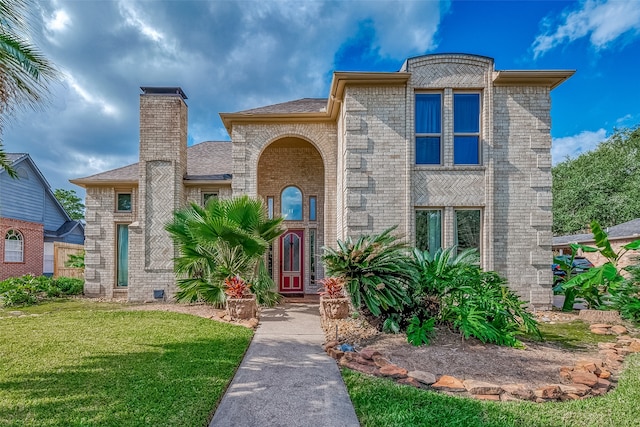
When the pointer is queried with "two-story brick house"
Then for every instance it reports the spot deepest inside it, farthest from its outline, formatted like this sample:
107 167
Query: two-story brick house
448 149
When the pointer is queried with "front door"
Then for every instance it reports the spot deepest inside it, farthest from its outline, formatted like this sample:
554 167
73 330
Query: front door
291 260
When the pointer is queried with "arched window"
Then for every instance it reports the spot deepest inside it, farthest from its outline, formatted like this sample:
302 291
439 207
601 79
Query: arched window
291 202
13 246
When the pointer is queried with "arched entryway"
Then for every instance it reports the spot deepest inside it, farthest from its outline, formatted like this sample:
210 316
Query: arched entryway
291 182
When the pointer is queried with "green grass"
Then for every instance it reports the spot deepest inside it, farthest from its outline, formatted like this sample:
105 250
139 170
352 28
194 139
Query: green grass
88 364
381 402
573 335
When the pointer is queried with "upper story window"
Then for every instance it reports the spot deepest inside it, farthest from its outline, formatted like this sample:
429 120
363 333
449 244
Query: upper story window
291 204
207 196
13 246
428 128
123 203
466 128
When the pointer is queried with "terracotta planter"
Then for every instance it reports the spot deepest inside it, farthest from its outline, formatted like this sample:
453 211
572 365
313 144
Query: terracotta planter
242 308
334 308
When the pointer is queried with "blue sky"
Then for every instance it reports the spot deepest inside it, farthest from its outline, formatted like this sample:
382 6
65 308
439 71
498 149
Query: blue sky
234 55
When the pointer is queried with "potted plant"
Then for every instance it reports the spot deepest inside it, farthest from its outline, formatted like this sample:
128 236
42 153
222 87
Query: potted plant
333 302
241 303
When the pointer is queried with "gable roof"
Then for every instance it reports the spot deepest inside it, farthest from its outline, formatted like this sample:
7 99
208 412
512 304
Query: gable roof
304 105
629 229
206 161
16 158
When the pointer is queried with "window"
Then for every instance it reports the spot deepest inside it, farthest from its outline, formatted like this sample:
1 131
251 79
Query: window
13 246
291 201
468 226
124 202
428 128
466 128
270 207
312 208
429 230
207 196
122 262
312 254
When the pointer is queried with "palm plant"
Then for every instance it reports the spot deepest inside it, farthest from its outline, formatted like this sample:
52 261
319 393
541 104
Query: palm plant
24 72
377 272
226 238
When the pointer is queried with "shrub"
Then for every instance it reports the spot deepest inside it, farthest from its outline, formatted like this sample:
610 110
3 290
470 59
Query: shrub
333 287
419 333
377 272
236 287
475 302
28 290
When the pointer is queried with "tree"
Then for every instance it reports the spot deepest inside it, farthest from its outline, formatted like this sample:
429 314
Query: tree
24 72
601 185
70 202
226 238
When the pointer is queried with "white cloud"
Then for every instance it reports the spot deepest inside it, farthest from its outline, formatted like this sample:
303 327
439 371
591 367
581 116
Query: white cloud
91 99
573 146
602 21
59 21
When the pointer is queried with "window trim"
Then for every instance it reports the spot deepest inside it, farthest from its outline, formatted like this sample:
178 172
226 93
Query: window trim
463 134
428 135
19 238
124 192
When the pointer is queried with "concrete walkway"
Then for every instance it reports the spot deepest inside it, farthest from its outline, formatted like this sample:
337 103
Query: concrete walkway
285 379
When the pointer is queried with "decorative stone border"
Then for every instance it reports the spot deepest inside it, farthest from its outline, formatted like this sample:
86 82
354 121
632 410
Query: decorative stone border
588 377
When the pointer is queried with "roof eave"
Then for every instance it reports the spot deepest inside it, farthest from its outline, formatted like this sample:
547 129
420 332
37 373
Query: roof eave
336 93
84 183
546 78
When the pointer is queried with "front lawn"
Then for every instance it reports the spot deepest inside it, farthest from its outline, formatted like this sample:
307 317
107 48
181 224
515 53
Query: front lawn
79 364
380 402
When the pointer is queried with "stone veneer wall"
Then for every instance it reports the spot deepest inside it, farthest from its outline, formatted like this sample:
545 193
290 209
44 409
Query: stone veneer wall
523 190
100 238
163 164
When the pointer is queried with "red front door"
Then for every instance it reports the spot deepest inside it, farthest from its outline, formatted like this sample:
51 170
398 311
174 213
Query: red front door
291 261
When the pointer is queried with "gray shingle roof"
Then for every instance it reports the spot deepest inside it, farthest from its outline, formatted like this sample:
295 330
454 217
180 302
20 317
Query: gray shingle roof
626 229
209 160
305 105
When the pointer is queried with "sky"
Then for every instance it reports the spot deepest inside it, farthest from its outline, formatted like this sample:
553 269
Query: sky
234 55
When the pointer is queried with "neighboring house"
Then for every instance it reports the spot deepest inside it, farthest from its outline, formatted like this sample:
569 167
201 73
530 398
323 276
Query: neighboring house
619 235
448 149
31 220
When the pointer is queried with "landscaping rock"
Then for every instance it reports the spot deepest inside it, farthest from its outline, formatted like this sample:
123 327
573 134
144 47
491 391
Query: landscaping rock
487 396
577 389
604 374
583 377
367 369
548 392
506 397
335 353
368 353
599 331
330 344
606 345
519 391
600 326
634 347
602 383
449 383
380 361
618 329
424 377
480 387
393 371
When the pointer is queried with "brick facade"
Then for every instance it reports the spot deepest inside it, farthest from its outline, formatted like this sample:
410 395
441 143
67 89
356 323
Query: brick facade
33 248
357 156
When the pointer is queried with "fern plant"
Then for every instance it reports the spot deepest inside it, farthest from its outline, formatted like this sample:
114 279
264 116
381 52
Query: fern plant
420 332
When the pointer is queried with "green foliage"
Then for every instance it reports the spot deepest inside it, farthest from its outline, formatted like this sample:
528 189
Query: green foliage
24 72
602 287
226 238
264 288
75 260
420 332
475 302
377 272
391 324
82 363
601 185
71 203
29 290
